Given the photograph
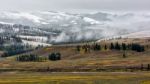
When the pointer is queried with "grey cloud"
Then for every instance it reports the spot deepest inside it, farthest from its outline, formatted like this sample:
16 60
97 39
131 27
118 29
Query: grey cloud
74 4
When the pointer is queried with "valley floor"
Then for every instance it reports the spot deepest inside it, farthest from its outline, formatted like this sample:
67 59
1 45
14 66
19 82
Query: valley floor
75 78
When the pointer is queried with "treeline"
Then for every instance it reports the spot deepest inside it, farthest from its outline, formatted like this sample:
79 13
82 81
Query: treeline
15 49
36 58
123 46
31 57
9 38
111 46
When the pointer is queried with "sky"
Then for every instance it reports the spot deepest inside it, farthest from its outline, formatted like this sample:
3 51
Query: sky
61 5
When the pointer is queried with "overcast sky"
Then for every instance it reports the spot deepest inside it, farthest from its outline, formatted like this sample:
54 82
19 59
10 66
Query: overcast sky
47 5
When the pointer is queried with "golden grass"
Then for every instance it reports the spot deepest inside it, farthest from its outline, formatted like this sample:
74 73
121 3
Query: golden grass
86 61
68 78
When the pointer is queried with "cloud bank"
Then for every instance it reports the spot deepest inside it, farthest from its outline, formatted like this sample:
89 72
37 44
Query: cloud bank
46 5
73 27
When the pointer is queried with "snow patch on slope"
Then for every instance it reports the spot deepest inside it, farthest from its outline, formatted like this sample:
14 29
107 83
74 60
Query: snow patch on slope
92 21
35 38
142 34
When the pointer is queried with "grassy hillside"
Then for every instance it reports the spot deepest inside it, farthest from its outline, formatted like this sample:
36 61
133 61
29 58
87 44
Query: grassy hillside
94 67
104 60
75 78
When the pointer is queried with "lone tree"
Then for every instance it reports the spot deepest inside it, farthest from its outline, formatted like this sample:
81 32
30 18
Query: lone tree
124 55
148 67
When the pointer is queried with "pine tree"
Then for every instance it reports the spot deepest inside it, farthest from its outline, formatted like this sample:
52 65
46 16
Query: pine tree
54 56
124 47
58 56
124 55
105 47
97 47
78 48
148 67
117 46
112 46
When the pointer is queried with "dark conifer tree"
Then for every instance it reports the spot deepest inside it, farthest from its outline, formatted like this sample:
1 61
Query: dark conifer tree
105 47
97 47
112 46
124 47
58 56
117 46
54 56
124 55
78 48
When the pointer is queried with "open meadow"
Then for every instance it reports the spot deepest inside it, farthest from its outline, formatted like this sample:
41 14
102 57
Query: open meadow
75 78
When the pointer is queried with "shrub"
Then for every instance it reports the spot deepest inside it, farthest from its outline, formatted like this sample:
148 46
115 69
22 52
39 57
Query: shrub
54 56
